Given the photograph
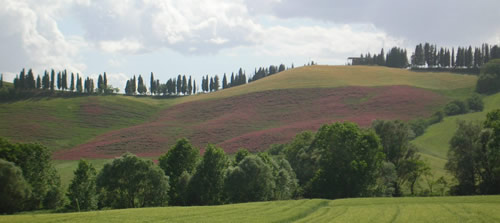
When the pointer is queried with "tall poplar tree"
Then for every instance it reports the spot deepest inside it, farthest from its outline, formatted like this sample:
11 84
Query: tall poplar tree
52 77
72 83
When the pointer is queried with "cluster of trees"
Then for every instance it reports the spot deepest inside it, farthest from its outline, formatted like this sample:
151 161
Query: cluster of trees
210 84
264 72
474 156
51 81
342 160
396 57
430 56
28 178
134 86
489 78
465 57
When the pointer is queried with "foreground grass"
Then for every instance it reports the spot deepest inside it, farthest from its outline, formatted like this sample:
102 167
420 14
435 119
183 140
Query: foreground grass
432 209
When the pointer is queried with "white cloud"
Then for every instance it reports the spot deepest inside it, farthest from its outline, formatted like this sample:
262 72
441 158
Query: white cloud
30 37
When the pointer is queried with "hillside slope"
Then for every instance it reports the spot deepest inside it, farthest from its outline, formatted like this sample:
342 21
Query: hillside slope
252 116
255 115
434 143
430 209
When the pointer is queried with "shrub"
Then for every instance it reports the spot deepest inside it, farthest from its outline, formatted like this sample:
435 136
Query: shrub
456 107
489 79
475 103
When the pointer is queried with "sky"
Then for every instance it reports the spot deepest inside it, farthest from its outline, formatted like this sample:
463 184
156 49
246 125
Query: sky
200 37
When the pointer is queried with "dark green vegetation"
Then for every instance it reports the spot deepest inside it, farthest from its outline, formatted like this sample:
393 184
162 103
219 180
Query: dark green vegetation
38 186
474 156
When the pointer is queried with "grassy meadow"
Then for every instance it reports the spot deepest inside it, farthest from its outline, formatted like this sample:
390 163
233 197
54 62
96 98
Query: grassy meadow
434 143
409 209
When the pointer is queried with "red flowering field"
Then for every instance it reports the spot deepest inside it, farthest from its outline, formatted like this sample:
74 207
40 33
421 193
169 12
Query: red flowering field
257 120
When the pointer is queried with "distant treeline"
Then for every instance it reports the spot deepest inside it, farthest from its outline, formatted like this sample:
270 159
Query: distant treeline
26 83
429 56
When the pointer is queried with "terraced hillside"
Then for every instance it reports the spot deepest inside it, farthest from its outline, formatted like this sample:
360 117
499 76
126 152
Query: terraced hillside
430 209
270 110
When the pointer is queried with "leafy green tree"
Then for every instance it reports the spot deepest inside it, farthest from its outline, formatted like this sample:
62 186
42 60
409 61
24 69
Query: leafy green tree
303 158
285 180
82 190
181 157
349 162
207 184
395 139
489 79
251 180
475 103
130 182
14 190
36 164
461 163
456 107
240 155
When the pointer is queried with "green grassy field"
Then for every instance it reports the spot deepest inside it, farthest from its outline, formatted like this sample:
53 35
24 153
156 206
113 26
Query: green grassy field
434 143
62 123
339 76
429 209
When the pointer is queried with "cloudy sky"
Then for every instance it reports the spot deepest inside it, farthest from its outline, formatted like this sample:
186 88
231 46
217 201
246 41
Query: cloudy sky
199 37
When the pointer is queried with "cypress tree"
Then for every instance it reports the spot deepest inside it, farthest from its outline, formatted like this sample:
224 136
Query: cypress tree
30 82
190 86
65 80
59 77
216 83
38 82
52 77
194 86
72 83
179 84
1 80
22 80
453 57
232 80
105 82
99 84
184 84
224 82
152 84
211 87
46 80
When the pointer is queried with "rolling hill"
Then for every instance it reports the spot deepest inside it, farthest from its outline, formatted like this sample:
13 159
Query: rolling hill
426 209
255 115
274 109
